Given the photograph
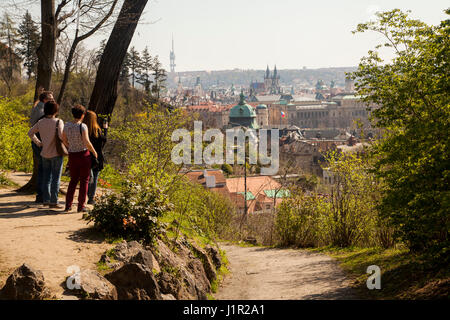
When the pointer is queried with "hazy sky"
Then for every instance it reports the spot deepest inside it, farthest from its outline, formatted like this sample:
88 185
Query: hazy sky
249 34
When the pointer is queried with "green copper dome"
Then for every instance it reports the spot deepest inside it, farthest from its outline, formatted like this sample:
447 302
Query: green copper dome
261 106
242 110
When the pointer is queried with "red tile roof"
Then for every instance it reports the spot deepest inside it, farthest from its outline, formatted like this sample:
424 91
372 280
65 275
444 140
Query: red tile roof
198 176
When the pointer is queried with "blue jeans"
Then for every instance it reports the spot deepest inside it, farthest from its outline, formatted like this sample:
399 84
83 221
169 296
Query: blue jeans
52 176
93 184
39 183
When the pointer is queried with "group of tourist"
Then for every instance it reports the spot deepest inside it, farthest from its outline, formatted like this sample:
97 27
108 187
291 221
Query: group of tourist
83 140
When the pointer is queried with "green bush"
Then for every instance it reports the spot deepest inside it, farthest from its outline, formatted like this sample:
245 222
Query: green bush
297 221
208 213
346 217
132 214
15 145
227 169
110 178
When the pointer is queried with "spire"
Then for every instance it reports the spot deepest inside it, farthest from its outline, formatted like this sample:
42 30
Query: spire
275 72
242 98
172 58
267 72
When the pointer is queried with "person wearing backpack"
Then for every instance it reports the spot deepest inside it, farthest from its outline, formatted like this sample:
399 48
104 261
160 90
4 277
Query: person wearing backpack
98 140
76 137
49 128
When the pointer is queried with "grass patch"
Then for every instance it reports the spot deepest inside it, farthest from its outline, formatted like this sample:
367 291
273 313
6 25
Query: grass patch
113 240
103 268
223 270
221 273
178 226
5 182
403 274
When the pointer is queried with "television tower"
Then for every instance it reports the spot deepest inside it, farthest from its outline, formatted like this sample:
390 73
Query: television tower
172 58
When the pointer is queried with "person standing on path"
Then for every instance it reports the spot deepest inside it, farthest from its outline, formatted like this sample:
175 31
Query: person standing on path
37 113
50 160
98 140
76 137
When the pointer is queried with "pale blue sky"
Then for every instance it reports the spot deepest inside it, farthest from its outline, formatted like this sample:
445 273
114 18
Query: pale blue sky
249 34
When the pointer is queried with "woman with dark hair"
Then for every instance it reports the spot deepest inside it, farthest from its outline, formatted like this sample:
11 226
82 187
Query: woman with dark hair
98 140
75 135
37 113
52 161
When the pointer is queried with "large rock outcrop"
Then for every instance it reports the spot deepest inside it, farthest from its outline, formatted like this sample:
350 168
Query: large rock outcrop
25 283
167 270
126 252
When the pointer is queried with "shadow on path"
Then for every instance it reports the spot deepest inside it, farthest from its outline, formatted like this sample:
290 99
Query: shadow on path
87 235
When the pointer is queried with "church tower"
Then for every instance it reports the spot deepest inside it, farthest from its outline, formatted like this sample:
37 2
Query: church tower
275 85
267 80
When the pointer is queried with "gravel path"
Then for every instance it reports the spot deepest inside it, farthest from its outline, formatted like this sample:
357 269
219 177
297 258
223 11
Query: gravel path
48 240
51 241
282 274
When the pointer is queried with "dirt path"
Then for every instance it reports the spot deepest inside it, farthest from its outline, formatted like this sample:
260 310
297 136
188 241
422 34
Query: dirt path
47 240
51 241
282 274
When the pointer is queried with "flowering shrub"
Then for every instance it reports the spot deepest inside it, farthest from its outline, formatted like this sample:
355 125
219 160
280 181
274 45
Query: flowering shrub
131 214
104 183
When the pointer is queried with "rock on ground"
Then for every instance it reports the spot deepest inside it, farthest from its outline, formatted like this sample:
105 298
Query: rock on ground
25 283
135 281
94 286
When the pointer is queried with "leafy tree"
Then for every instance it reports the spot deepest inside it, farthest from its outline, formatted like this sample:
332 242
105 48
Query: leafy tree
124 77
8 36
412 92
29 39
160 77
134 64
146 67
99 52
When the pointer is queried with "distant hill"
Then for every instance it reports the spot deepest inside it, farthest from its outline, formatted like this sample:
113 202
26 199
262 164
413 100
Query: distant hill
240 77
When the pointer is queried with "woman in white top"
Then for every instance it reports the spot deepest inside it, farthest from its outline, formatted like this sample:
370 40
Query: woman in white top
52 162
76 137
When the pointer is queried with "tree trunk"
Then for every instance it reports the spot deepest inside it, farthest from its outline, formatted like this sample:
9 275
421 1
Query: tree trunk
104 94
46 50
46 56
